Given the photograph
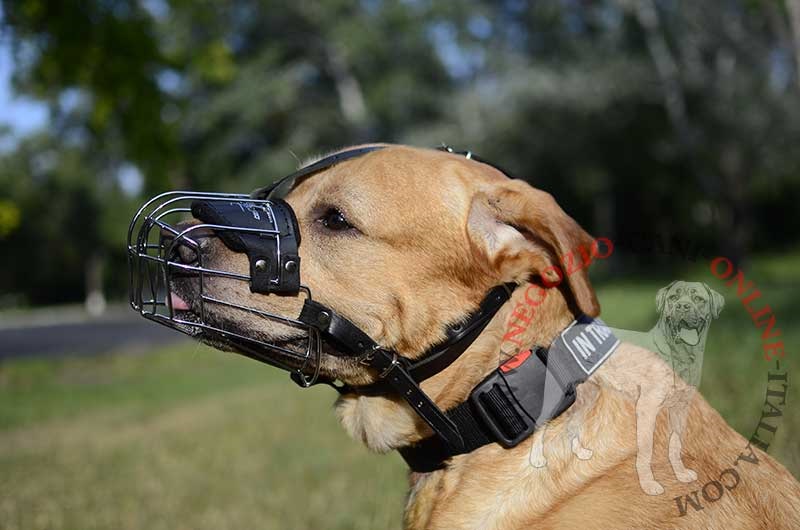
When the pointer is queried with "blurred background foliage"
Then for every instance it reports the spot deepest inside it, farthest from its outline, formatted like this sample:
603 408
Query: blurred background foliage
643 117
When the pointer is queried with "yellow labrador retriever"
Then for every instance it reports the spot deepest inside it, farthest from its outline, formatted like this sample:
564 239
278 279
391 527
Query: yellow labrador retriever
402 242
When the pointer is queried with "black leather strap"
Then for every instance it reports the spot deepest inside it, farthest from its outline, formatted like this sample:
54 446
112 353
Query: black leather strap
351 341
390 367
471 156
442 355
281 188
392 371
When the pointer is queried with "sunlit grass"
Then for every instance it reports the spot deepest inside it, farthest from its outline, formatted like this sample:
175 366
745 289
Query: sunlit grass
185 438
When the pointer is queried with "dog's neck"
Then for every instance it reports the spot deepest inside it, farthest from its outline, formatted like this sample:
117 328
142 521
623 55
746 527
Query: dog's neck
388 423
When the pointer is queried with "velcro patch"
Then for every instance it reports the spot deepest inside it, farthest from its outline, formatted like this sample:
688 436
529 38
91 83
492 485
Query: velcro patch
590 342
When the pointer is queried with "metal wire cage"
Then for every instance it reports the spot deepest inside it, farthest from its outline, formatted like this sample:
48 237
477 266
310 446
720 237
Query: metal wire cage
155 236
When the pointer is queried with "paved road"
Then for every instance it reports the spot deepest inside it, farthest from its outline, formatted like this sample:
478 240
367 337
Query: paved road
121 330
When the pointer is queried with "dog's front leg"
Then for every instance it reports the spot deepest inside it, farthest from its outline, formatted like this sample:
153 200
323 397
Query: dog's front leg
537 458
677 423
583 453
589 392
647 407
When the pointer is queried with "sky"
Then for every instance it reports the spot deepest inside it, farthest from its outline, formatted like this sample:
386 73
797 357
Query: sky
23 115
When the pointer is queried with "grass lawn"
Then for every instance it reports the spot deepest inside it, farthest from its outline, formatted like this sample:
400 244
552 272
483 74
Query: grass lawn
189 438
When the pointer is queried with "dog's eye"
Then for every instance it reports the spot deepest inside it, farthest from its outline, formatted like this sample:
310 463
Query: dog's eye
673 297
697 299
334 220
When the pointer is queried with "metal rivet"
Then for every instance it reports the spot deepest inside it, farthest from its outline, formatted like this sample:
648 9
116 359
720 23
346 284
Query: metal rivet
261 265
323 318
290 266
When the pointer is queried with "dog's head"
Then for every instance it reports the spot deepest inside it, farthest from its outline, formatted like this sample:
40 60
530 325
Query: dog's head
402 242
686 310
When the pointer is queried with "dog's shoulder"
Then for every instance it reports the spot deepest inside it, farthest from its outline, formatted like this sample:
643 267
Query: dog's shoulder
642 339
636 364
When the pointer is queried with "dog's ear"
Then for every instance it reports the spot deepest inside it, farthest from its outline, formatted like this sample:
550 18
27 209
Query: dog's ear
661 297
717 301
519 230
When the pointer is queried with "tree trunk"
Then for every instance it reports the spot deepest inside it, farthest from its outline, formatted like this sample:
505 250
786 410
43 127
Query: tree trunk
351 97
794 19
95 299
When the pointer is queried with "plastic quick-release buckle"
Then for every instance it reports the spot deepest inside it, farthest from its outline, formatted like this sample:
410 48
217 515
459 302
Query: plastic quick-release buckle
518 396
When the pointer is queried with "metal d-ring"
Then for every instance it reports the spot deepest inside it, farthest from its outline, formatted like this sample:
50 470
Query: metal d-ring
392 366
367 358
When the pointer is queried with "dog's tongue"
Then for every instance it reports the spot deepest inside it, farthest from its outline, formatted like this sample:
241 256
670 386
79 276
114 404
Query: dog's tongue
178 303
689 336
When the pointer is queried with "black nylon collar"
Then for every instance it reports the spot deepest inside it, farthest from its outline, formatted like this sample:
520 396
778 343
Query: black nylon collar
528 390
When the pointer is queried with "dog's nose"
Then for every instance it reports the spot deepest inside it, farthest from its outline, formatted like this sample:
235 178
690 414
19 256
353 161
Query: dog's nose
184 250
686 306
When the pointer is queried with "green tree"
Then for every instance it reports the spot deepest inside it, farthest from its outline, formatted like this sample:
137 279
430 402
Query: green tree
656 116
